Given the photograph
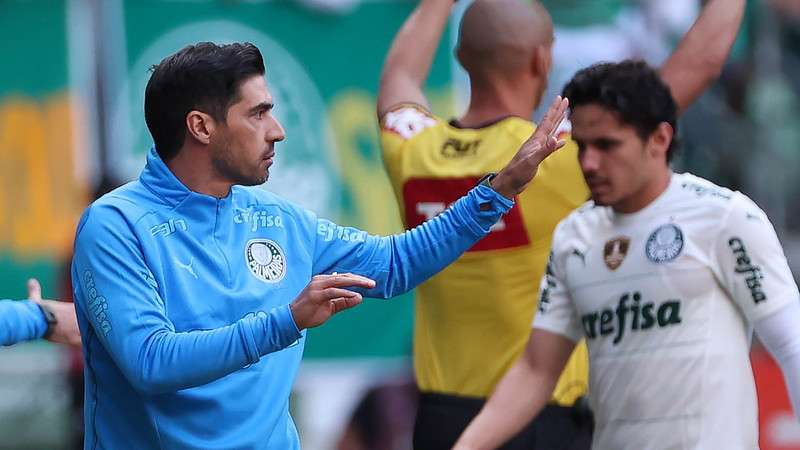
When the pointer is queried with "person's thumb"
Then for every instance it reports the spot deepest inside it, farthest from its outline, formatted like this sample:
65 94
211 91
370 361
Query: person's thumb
34 290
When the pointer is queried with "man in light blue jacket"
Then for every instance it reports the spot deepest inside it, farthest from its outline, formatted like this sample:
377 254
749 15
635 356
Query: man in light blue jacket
193 291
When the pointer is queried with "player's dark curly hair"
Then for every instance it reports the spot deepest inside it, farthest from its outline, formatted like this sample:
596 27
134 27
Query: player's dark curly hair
203 77
631 89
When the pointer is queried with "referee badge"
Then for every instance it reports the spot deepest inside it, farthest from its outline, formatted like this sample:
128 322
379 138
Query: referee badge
266 260
615 251
664 244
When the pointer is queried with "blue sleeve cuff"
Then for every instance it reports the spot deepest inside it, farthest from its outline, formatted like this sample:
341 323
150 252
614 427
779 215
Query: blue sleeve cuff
490 206
40 322
286 320
20 321
273 331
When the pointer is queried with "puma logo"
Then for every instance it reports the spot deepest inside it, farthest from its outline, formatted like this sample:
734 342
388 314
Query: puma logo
187 267
579 254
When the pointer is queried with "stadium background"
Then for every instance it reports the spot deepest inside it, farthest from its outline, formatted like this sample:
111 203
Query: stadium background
71 123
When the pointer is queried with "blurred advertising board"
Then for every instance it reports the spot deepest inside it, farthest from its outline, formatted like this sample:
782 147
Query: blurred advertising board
46 142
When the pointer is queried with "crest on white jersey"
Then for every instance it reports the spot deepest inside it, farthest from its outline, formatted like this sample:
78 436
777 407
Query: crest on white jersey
615 251
266 260
664 244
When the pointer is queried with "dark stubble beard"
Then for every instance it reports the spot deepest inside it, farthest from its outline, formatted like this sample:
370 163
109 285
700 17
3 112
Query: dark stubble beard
227 169
599 202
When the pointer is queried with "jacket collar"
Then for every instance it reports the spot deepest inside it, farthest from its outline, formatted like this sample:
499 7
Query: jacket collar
157 177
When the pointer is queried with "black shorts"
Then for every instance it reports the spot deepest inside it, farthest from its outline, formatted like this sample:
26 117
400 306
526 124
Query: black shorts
442 418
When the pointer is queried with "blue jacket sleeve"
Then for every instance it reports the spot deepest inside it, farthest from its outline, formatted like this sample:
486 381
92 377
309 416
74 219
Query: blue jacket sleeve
400 262
116 293
20 321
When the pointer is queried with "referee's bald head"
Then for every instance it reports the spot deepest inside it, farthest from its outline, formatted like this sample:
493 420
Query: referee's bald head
501 36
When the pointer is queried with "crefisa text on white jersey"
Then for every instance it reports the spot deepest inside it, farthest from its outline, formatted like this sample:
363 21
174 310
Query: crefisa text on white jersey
643 316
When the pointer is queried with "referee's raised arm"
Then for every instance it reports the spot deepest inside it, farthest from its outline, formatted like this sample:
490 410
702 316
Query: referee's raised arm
409 60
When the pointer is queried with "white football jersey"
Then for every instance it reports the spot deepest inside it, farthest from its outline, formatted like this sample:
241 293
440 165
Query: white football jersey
664 298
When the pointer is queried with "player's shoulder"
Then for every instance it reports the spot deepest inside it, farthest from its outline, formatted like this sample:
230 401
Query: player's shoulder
517 126
714 201
408 120
699 190
129 202
581 222
115 212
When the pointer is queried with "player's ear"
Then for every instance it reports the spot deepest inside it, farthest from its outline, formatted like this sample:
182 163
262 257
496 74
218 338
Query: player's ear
200 126
541 60
660 139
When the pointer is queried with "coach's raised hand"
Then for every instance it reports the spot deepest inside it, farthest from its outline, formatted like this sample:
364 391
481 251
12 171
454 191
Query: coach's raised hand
325 296
516 175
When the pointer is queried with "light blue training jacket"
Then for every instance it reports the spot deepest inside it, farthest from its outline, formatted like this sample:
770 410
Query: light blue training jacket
20 321
182 302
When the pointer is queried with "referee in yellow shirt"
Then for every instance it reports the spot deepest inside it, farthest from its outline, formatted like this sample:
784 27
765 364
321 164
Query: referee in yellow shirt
472 320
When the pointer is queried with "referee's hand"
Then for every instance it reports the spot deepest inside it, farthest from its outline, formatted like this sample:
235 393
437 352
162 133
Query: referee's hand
325 296
515 176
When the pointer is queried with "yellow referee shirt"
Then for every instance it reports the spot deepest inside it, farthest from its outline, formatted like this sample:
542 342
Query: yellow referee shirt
473 319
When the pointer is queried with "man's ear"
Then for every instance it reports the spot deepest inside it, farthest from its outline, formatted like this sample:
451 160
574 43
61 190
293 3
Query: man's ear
541 59
200 126
660 139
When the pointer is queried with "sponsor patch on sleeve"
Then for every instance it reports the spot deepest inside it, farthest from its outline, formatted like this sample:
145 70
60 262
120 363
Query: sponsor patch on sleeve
407 121
747 270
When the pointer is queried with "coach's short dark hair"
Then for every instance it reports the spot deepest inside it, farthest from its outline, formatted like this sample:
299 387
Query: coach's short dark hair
204 77
631 89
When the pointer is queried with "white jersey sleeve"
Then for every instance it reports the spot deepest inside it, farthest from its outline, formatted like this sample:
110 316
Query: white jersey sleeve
750 262
557 312
780 333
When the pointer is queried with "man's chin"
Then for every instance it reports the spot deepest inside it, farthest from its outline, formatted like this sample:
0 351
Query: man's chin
260 180
253 181
600 200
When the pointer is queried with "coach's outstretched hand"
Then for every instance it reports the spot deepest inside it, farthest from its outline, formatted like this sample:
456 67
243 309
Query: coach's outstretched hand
325 296
516 175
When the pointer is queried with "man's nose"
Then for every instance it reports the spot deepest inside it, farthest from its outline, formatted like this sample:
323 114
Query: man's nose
275 133
589 159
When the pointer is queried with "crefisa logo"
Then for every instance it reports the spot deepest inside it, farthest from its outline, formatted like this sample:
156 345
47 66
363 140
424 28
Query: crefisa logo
266 260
